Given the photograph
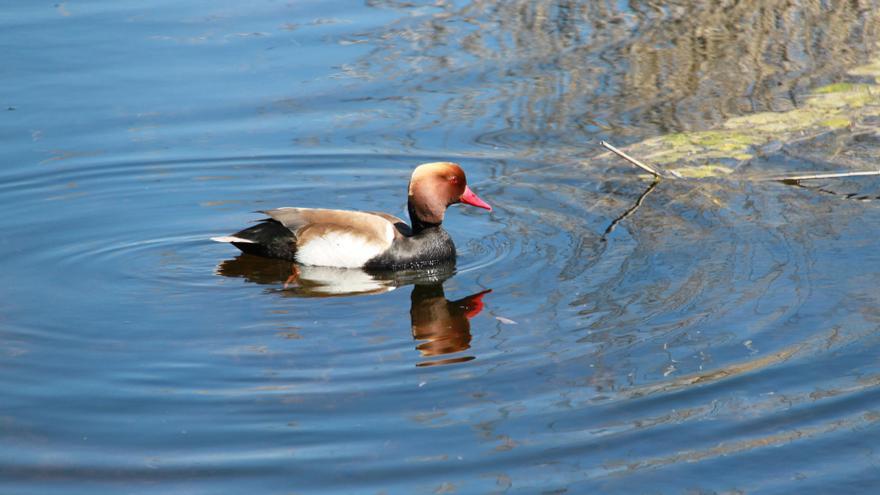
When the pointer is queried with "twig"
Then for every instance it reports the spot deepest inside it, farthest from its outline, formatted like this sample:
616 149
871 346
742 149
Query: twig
832 175
630 159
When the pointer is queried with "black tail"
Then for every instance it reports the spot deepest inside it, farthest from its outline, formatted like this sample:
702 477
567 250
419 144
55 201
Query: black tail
270 239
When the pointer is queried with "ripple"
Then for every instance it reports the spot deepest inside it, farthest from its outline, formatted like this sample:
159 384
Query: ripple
588 318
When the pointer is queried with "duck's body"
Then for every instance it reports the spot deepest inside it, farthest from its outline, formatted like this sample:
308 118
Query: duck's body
341 238
357 239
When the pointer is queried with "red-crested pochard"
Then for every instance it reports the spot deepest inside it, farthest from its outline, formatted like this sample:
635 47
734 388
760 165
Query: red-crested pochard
356 239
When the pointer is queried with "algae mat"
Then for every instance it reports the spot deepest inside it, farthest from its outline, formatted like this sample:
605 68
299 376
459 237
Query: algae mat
834 114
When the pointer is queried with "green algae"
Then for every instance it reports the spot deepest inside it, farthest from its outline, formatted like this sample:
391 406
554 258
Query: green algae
833 88
836 122
857 96
704 171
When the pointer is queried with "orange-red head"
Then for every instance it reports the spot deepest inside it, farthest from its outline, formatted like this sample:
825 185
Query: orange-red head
435 186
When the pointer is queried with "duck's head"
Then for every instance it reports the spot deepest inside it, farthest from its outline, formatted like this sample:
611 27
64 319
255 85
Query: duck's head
434 187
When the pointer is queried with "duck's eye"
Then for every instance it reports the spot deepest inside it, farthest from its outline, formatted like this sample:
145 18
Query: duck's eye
453 179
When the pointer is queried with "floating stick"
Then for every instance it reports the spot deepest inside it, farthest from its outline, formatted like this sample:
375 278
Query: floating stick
790 178
830 175
630 159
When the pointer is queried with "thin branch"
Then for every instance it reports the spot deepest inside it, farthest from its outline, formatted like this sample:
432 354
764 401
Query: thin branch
630 159
832 175
791 178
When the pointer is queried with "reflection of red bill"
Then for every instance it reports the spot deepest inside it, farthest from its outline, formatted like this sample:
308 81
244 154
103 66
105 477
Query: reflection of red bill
474 304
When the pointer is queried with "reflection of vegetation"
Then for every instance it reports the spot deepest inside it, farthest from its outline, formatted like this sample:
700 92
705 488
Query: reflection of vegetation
542 67
730 370
835 106
861 421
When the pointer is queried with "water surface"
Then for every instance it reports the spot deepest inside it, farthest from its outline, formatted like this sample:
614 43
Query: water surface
720 338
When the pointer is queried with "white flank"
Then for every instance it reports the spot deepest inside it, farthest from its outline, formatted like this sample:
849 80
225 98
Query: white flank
232 238
341 249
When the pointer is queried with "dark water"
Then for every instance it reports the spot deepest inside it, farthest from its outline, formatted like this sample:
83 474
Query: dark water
721 339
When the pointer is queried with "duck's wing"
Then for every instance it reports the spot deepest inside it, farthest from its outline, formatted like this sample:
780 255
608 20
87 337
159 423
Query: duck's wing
336 237
402 227
373 226
320 237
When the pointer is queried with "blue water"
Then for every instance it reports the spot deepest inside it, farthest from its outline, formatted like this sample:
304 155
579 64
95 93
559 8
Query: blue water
721 339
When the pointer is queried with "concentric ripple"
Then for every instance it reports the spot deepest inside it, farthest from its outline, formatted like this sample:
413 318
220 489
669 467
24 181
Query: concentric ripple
592 325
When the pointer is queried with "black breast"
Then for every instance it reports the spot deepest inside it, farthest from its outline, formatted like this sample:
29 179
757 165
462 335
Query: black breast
431 246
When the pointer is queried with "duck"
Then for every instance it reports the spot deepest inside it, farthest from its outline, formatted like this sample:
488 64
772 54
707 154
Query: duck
366 239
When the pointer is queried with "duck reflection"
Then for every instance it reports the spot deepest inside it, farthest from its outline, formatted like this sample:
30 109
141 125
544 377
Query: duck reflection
441 326
302 281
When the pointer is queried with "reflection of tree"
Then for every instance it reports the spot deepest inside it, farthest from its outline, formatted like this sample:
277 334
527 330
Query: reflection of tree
539 67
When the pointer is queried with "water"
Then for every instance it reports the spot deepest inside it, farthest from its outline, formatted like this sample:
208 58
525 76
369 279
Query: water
719 339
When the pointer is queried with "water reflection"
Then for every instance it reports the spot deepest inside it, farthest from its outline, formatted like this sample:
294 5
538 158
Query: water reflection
441 326
322 281
303 281
566 70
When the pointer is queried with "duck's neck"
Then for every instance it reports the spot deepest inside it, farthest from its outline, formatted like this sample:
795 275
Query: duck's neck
418 224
